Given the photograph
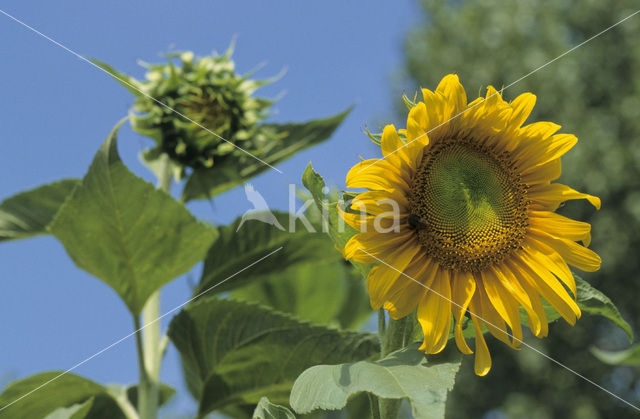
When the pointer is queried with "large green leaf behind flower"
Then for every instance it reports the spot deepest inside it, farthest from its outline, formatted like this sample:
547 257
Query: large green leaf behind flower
235 353
404 374
124 231
593 302
229 173
323 293
243 242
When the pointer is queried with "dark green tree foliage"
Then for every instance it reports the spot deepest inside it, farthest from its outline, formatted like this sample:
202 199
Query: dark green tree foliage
593 92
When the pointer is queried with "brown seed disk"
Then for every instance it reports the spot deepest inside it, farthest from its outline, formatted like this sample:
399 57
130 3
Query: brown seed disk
471 204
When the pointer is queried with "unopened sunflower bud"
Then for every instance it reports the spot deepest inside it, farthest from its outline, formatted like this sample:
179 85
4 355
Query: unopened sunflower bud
209 110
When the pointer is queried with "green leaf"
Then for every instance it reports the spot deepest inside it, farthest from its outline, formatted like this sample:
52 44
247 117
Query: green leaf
29 213
156 160
124 231
629 356
267 410
56 391
226 174
594 302
240 245
165 393
404 374
62 395
338 230
129 82
324 293
236 353
77 411
591 301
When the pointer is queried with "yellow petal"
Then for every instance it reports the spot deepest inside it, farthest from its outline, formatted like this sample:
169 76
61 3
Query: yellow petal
551 196
358 221
423 270
403 302
549 258
513 310
382 222
504 304
574 254
540 152
538 131
434 313
522 107
438 120
482 363
382 277
408 290
514 137
493 99
544 173
418 122
464 287
378 202
451 89
548 286
558 225
417 137
377 174
362 246
476 116
513 287
394 150
487 119
491 318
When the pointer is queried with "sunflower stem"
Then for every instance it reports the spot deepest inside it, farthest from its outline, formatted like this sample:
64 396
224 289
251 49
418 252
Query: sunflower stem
375 408
394 338
151 347
146 407
381 326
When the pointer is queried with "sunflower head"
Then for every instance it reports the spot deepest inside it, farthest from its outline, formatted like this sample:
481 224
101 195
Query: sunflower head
460 219
206 91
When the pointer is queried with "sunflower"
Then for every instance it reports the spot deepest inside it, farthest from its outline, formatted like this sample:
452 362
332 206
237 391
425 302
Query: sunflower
460 216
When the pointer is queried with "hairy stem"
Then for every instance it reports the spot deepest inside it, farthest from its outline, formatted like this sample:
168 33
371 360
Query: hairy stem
375 407
119 394
146 407
152 343
381 326
394 338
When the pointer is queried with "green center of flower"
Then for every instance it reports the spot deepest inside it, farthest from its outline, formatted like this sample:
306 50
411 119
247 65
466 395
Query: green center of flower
467 205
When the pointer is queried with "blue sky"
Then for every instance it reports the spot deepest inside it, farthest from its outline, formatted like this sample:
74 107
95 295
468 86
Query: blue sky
55 110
